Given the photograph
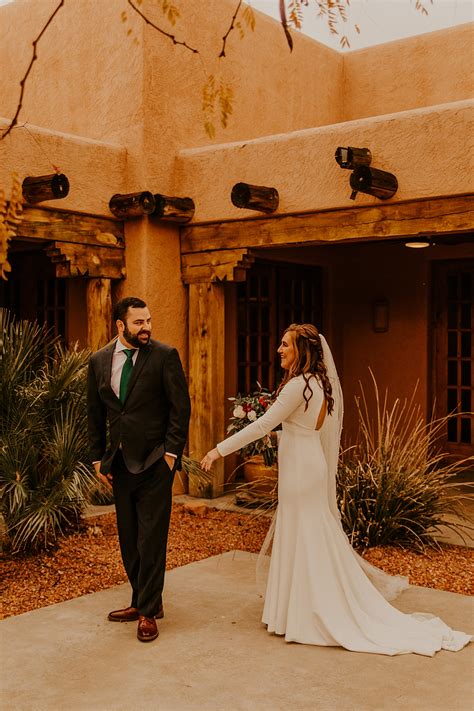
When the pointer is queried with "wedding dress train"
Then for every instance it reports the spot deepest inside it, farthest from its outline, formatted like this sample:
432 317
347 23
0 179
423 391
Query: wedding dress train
319 591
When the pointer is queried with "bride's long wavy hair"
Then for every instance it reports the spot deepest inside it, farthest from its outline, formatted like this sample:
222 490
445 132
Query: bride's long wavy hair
309 361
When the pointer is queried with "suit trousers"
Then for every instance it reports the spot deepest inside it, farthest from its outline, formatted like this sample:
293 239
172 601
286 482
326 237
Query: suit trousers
143 506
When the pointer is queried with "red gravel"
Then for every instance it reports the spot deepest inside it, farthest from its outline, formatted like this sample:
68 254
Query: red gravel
89 560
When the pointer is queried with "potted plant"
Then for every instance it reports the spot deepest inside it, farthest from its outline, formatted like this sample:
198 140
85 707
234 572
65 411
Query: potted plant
259 456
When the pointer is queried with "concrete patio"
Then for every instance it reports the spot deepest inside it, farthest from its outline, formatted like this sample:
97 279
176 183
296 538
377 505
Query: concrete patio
213 654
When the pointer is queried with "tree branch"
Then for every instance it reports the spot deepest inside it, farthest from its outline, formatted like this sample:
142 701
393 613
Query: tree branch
284 24
161 31
14 120
224 39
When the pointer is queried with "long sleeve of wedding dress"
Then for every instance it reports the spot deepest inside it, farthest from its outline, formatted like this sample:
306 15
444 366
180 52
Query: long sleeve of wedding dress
319 591
287 401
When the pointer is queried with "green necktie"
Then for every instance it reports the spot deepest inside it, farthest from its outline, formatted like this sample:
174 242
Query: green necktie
126 373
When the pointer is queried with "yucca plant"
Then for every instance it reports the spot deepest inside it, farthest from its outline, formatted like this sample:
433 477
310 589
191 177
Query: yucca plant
395 486
44 481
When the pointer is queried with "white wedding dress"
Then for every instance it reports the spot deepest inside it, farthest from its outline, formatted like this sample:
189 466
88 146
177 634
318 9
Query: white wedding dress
319 591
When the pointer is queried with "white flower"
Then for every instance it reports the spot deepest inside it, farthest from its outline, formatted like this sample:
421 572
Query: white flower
238 411
252 415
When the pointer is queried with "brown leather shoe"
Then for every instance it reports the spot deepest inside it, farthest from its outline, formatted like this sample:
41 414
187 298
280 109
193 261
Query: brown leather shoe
130 614
127 614
147 630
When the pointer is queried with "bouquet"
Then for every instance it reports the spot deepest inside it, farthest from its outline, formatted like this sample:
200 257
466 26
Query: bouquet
246 409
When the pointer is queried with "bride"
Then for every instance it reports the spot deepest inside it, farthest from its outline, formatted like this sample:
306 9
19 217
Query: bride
319 590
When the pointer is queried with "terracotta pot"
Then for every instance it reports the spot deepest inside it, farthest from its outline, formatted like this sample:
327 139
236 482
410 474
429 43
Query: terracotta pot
263 479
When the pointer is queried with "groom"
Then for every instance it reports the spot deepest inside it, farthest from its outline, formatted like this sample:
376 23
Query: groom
137 394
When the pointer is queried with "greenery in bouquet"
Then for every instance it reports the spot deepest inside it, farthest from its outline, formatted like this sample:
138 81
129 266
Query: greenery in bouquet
246 409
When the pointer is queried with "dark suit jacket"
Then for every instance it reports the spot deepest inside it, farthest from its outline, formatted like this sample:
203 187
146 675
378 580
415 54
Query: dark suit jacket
154 417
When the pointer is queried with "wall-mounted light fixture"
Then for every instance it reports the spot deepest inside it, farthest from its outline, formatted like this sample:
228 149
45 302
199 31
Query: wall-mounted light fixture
173 209
132 204
45 187
374 182
349 158
380 315
364 179
255 197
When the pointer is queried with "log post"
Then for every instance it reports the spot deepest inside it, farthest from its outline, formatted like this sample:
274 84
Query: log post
99 312
206 377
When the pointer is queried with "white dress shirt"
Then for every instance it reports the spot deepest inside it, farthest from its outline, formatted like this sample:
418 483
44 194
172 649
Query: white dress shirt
118 361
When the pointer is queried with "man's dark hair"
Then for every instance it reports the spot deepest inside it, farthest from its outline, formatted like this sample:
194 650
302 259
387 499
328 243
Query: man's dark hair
122 306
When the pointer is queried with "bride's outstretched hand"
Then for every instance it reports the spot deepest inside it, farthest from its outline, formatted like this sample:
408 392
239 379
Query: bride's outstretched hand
209 459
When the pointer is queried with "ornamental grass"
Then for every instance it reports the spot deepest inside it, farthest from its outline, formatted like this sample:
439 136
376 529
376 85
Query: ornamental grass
396 486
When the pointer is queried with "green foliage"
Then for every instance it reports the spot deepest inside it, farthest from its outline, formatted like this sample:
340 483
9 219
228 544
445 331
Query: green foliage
394 487
44 482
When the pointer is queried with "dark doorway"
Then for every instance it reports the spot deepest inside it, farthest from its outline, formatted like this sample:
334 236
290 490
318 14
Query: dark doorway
453 364
33 291
272 297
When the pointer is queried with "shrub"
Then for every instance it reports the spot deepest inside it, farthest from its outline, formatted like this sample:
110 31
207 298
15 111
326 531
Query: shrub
44 482
394 486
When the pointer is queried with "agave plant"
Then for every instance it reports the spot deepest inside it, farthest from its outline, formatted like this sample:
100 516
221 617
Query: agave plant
44 482
395 486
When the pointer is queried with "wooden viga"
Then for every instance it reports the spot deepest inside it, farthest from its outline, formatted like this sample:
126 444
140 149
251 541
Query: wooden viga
173 209
45 187
255 197
130 205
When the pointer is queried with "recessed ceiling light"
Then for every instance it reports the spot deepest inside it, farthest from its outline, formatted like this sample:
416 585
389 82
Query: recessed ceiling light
418 243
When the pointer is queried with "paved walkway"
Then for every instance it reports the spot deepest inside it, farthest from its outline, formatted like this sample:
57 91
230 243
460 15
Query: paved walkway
214 655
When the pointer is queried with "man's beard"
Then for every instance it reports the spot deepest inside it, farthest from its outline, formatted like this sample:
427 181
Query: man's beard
134 339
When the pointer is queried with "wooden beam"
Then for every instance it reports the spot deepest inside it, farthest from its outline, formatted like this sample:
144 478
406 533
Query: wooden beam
218 265
78 260
377 222
206 377
99 312
62 226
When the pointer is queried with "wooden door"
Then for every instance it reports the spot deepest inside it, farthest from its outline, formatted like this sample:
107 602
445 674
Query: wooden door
272 297
453 369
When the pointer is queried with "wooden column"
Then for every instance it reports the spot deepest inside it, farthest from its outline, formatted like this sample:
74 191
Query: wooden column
99 312
206 375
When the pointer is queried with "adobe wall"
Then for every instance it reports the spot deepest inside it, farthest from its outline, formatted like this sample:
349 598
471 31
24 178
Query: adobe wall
426 70
431 152
94 79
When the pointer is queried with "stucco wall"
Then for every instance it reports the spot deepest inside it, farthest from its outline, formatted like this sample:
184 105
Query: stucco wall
93 79
84 81
429 150
429 69
95 169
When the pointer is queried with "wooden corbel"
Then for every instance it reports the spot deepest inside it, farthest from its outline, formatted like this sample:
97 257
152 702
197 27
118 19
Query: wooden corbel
216 266
78 260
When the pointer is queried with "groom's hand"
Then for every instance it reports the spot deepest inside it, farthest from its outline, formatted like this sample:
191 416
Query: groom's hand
106 479
170 461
